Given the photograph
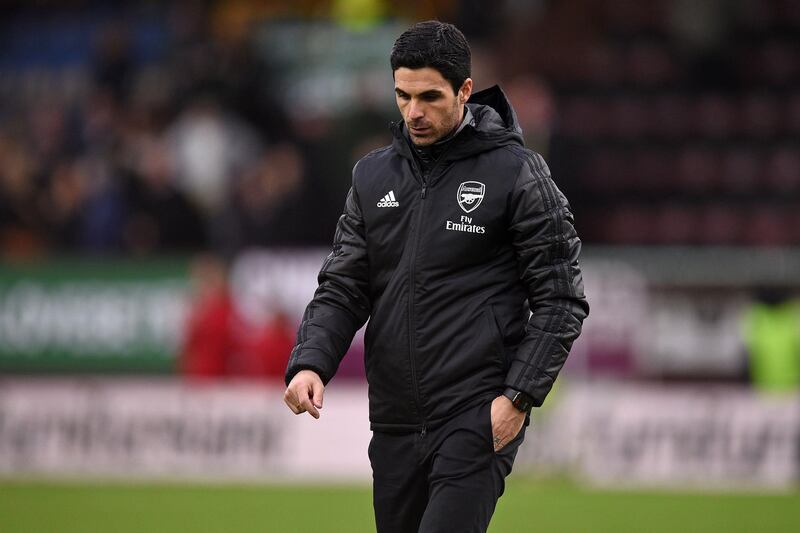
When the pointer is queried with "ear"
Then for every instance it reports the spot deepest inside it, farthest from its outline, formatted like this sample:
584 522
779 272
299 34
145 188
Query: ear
465 91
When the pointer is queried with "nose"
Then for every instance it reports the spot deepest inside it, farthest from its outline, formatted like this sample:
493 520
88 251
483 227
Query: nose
415 110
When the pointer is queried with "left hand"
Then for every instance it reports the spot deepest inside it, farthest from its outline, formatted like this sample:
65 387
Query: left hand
507 420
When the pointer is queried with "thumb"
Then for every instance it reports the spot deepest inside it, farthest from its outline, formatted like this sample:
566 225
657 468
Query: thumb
316 388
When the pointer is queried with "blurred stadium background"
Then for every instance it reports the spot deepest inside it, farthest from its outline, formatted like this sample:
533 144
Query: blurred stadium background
170 177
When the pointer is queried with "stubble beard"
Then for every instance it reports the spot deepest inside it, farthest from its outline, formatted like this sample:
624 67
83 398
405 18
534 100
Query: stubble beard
444 131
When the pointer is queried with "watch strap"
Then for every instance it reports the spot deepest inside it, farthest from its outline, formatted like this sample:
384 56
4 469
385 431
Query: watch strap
519 399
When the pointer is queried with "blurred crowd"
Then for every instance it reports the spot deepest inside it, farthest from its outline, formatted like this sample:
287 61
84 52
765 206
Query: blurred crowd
153 134
155 129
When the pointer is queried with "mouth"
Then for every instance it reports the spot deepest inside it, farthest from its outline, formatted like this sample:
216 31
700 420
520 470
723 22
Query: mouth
419 131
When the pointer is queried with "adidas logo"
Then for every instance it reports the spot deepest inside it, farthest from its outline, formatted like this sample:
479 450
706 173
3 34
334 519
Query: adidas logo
389 201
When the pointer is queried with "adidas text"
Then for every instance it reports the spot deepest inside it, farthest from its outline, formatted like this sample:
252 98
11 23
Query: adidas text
389 201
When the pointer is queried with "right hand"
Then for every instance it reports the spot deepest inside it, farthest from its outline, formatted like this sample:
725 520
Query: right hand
304 393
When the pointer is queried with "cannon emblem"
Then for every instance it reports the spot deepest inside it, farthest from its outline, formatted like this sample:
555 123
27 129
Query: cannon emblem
470 195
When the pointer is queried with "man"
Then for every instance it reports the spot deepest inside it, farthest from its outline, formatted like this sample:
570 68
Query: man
461 251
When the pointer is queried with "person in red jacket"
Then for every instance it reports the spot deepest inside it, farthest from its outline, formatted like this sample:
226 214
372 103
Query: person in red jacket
263 347
220 342
208 340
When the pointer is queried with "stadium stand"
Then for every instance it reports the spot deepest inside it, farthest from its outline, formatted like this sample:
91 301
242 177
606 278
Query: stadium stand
151 129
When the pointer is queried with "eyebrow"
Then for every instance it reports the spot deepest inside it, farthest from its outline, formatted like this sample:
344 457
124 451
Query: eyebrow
428 93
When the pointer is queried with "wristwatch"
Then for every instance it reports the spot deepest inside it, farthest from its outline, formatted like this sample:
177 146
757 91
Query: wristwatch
520 400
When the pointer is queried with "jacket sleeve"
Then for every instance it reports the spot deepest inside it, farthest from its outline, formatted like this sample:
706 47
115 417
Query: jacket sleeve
341 302
547 248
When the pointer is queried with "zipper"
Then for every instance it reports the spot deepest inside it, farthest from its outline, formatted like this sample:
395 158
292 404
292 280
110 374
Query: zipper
423 179
411 290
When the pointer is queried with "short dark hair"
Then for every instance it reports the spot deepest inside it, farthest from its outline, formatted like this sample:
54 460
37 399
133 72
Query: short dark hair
437 45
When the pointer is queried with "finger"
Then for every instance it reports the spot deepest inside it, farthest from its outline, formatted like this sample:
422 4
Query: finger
498 442
502 435
290 399
293 400
499 431
306 405
317 388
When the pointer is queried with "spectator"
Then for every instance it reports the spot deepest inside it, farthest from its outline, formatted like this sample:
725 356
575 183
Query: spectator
209 147
21 233
208 342
772 337
266 204
161 217
219 341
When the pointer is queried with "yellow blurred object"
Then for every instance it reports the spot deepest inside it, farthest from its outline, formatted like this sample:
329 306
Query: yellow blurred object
359 15
772 336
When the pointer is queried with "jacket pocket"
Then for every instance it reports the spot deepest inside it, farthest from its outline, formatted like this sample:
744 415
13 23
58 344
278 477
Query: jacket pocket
497 337
486 411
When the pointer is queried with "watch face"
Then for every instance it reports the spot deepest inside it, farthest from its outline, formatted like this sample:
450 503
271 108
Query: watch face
519 399
520 402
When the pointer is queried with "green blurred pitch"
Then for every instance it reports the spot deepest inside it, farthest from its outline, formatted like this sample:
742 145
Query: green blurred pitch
541 506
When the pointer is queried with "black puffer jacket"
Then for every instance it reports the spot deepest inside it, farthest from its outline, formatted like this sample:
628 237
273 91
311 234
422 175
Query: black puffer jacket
469 275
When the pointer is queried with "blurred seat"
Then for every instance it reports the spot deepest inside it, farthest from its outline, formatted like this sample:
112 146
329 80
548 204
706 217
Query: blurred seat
582 118
721 224
713 116
676 224
780 63
782 171
606 171
791 115
626 117
654 169
759 115
628 224
603 66
699 171
740 169
767 225
649 65
669 116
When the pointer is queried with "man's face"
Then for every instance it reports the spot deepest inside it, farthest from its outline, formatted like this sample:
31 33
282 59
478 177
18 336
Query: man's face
429 107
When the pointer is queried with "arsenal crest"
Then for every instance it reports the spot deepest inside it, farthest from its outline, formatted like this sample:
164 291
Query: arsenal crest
470 195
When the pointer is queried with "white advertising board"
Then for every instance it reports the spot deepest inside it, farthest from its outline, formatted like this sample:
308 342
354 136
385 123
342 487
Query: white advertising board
700 435
610 434
165 428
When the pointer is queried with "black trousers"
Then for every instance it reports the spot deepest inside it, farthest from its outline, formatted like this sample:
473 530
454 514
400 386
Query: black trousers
448 479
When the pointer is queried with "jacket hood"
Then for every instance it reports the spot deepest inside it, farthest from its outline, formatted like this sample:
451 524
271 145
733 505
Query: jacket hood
495 124
499 115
